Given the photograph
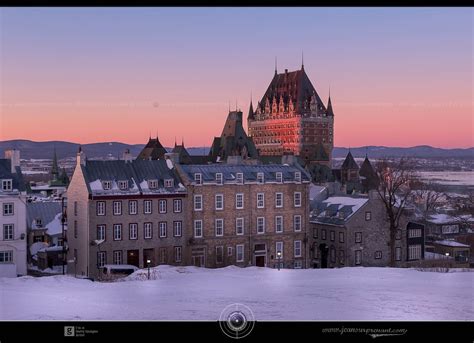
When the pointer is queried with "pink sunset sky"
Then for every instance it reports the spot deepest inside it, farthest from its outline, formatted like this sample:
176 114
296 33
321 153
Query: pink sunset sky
398 77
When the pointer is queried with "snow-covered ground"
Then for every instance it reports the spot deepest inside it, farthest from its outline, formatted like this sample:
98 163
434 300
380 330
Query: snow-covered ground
190 293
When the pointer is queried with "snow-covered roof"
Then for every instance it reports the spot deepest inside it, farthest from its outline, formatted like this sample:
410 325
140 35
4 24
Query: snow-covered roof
53 248
337 210
35 247
55 227
441 218
315 191
451 243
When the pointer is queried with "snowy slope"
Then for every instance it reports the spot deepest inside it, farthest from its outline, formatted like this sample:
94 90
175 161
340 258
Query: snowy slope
201 294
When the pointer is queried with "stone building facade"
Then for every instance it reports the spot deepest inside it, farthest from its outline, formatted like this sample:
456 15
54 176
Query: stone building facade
124 212
353 231
243 215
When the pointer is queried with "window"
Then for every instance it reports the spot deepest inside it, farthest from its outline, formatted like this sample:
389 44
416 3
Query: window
358 237
75 229
341 237
239 226
219 254
123 185
239 201
297 199
279 224
8 209
368 216
163 255
279 248
378 255
297 265
152 184
260 200
260 224
162 206
147 206
101 259
219 202
6 256
169 183
239 251
332 254
132 207
198 178
219 178
117 232
297 248
358 257
240 178
198 228
229 251
162 226
147 230
279 177
323 234
7 185
398 234
101 232
398 254
8 232
414 252
178 252
118 257
297 222
117 208
260 178
106 185
198 203
332 235
100 208
278 200
414 233
315 233
298 177
177 205
133 231
75 208
342 257
177 228
219 226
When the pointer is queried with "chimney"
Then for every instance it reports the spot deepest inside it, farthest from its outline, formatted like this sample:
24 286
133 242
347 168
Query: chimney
81 157
127 156
14 156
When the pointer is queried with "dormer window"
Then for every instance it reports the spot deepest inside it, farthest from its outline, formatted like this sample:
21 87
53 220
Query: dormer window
7 185
279 177
260 178
198 178
298 177
341 215
152 184
219 178
240 178
38 222
169 183
106 185
123 185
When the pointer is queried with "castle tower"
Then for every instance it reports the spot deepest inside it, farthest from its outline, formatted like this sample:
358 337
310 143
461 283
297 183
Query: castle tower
291 118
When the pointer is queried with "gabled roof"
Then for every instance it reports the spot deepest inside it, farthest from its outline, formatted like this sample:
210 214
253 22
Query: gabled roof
45 210
349 162
17 178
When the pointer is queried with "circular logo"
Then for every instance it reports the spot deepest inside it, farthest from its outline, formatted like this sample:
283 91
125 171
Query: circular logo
236 321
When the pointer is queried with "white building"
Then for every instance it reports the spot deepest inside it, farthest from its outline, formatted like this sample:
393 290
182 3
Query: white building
12 216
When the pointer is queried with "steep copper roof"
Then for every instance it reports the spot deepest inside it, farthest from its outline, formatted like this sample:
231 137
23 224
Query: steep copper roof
153 150
183 154
294 85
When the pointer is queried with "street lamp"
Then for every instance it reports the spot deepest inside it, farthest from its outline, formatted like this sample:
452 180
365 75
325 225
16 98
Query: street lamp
148 261
279 258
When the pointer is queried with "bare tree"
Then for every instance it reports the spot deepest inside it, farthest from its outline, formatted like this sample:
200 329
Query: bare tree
429 193
394 189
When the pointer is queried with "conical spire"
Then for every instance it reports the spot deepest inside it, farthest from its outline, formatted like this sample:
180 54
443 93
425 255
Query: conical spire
55 168
302 60
330 111
275 65
251 112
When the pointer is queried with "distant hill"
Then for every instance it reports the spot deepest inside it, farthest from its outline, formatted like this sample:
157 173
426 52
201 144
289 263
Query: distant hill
40 150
